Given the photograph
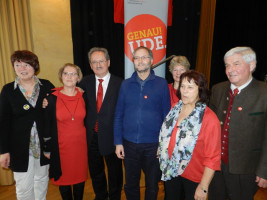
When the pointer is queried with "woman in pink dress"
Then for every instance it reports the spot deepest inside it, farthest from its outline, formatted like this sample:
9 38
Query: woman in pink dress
178 65
65 134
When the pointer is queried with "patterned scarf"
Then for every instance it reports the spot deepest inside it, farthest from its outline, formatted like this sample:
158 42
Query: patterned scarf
34 149
186 137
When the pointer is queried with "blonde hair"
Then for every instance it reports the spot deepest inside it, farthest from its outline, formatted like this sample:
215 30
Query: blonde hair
61 70
179 60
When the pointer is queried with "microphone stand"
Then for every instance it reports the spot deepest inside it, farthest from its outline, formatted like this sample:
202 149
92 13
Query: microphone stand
163 61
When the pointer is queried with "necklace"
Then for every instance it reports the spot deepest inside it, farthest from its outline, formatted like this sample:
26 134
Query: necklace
72 115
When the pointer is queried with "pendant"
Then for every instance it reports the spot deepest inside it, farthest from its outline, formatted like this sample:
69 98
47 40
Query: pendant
72 118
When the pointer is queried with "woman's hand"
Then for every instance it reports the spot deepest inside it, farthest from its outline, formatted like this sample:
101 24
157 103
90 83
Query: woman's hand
5 160
201 193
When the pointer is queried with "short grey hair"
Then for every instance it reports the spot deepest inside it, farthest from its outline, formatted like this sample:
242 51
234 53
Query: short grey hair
101 49
247 54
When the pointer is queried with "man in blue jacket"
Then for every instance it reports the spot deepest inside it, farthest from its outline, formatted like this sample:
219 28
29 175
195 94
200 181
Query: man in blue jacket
142 105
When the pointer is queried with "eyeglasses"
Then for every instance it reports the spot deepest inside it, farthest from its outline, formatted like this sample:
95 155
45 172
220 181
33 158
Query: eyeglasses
69 73
101 62
142 57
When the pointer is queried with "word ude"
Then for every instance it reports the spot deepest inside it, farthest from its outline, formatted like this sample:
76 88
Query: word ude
151 37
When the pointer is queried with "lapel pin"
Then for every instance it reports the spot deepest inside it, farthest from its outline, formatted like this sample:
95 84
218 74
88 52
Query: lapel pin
145 97
26 107
239 108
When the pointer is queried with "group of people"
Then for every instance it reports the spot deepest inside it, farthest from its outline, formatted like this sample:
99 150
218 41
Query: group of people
199 146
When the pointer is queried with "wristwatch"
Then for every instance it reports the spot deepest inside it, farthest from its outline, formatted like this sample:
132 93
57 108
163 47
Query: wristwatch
205 191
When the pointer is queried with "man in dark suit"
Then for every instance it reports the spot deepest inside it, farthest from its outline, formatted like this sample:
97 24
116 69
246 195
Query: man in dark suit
99 124
241 106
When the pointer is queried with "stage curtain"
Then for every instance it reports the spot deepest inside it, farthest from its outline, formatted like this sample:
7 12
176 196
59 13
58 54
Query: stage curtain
15 34
205 39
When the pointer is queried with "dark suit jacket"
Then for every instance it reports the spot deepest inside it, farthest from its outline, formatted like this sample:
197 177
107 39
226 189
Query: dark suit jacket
248 126
16 122
106 114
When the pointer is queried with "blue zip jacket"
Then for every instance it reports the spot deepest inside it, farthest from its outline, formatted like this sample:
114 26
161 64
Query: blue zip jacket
140 112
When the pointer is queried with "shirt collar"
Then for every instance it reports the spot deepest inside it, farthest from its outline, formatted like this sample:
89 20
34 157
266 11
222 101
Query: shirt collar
105 78
16 83
241 87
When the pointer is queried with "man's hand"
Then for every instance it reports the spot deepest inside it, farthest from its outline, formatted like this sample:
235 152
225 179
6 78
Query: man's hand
47 155
80 89
120 151
5 160
261 182
45 103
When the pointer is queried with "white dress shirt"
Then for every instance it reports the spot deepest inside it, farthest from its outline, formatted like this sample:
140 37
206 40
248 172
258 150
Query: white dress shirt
104 84
241 87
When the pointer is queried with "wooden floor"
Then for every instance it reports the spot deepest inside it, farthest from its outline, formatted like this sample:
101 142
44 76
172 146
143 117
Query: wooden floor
8 192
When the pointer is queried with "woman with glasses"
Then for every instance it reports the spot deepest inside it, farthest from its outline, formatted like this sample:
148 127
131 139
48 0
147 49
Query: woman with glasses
21 125
65 134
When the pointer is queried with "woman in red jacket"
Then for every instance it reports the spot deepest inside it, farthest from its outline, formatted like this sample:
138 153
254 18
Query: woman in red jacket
189 141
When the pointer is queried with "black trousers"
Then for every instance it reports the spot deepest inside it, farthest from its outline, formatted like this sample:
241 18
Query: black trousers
179 188
67 194
141 157
225 185
98 175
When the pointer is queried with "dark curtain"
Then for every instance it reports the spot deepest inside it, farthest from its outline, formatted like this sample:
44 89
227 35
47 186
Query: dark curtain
182 36
93 25
239 23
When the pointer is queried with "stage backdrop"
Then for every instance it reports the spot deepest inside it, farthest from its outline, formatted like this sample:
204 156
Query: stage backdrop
145 24
92 24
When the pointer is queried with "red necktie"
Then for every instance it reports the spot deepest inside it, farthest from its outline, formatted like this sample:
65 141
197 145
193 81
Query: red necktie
99 100
225 130
172 140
